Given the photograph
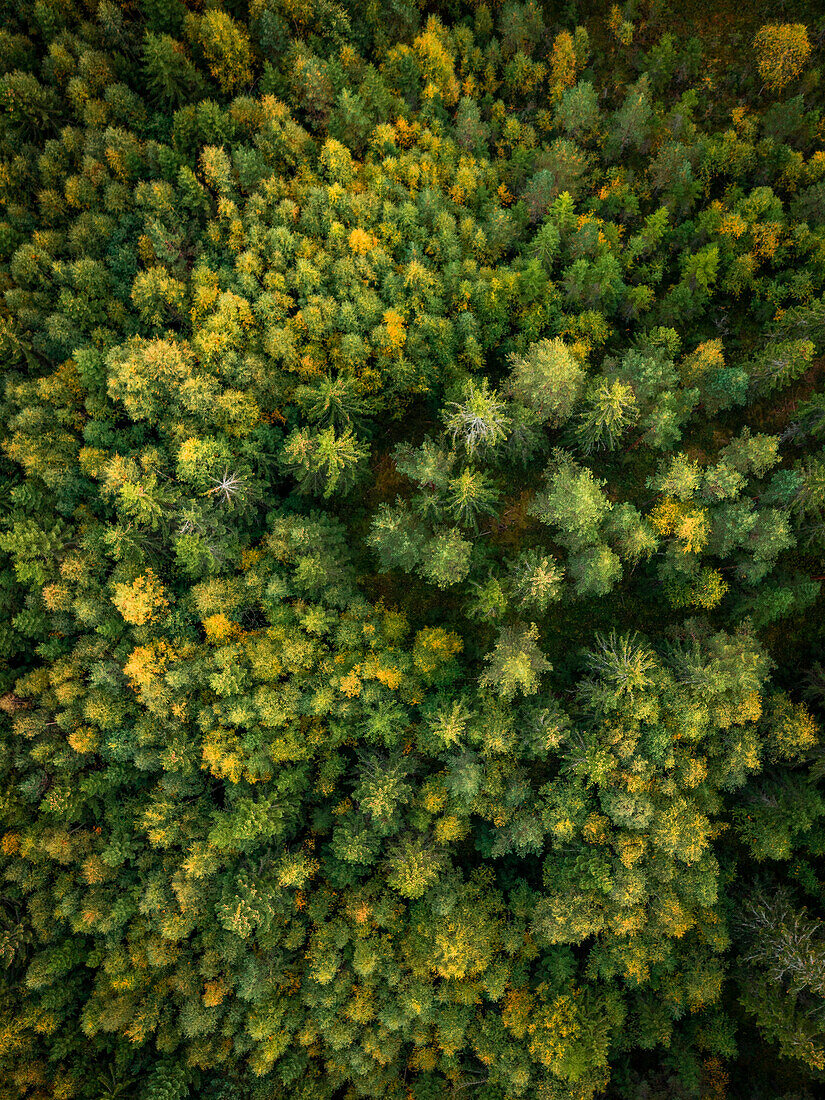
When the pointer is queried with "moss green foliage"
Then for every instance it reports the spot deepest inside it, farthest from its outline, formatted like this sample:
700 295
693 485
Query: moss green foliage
411 549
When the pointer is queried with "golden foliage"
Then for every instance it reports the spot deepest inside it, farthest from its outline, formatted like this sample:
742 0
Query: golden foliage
782 49
143 601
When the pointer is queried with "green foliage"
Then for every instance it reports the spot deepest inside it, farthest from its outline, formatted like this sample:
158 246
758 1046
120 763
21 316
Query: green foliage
609 410
547 379
573 501
324 462
411 551
170 75
783 986
479 422
516 663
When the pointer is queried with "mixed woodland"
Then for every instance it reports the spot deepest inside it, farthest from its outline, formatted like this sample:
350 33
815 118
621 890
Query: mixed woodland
412 546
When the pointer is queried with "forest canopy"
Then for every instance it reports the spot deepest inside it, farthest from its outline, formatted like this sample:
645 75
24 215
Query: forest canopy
412 542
